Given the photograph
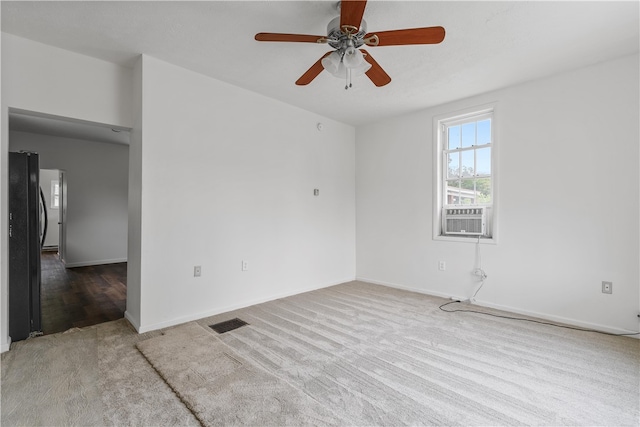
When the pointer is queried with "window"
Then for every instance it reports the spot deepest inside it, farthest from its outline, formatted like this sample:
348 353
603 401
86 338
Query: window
465 153
55 195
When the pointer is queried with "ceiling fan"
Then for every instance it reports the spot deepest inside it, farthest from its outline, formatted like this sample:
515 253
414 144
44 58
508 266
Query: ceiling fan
346 34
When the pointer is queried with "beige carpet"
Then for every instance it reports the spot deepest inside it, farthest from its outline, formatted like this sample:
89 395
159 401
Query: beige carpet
93 376
52 381
221 388
132 393
381 356
370 355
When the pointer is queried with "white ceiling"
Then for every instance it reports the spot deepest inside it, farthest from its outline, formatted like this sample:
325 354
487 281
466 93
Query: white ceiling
488 45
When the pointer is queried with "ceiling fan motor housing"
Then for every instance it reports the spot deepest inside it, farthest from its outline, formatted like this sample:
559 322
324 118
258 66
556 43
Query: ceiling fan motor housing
339 39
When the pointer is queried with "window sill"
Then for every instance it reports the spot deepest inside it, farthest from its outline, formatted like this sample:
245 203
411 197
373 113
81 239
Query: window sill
474 239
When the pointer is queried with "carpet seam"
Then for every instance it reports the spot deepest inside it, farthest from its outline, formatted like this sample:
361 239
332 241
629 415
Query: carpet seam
175 392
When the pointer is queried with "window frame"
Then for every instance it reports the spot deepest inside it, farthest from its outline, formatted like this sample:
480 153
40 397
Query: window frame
440 124
55 195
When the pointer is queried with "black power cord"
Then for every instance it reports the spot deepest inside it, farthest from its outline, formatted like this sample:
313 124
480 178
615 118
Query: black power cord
528 320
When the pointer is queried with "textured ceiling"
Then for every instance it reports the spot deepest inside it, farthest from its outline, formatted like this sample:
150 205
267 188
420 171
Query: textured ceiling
488 45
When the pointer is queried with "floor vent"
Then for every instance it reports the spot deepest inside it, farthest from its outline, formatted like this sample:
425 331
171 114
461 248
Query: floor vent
227 326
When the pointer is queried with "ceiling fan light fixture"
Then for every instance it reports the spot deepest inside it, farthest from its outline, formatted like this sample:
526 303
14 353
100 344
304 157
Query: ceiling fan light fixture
352 57
333 64
338 63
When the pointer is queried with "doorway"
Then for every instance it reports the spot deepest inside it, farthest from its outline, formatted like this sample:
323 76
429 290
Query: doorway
84 181
52 222
78 296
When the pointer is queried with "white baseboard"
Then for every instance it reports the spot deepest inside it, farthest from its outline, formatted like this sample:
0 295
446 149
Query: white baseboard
510 309
409 288
97 262
5 346
131 320
184 319
557 319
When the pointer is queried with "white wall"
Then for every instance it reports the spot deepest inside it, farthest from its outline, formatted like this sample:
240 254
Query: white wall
97 191
47 176
44 79
55 81
228 175
568 210
134 249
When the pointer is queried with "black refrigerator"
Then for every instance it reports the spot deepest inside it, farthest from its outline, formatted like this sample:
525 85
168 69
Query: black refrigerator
24 245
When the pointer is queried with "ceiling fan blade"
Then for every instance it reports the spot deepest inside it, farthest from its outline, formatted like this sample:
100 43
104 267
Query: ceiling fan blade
351 12
427 35
376 74
312 72
299 38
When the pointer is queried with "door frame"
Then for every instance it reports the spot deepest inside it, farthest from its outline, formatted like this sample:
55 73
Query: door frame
62 219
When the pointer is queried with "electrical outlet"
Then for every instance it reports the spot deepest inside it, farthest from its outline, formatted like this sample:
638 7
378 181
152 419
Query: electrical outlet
245 265
442 266
607 287
197 271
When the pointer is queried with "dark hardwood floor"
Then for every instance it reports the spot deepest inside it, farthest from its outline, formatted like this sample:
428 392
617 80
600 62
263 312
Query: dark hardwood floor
81 296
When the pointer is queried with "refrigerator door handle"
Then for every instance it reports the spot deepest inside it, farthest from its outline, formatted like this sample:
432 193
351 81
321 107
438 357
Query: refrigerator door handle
43 203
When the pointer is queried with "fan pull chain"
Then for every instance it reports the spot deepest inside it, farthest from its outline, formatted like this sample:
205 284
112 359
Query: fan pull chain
348 84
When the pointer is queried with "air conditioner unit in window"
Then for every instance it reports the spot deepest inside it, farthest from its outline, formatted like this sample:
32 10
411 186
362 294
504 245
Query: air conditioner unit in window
464 221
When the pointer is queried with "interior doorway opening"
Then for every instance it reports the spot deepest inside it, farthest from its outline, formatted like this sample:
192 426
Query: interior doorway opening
51 221
84 186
